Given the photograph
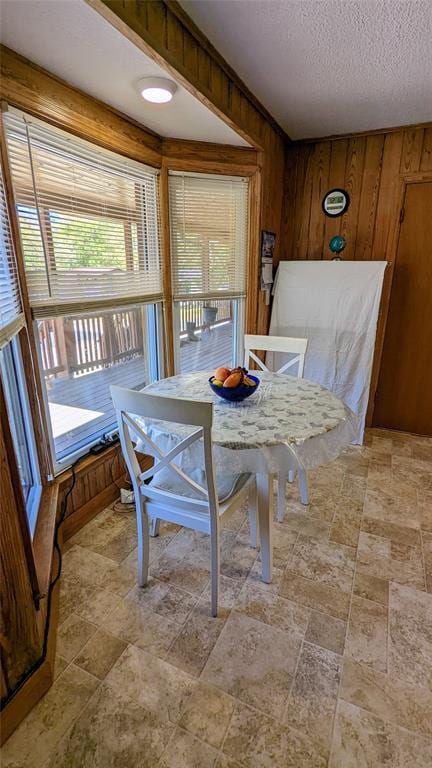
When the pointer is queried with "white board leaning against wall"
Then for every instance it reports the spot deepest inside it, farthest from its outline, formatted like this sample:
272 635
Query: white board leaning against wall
335 305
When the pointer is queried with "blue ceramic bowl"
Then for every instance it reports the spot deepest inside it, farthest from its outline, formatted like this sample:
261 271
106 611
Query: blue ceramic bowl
235 394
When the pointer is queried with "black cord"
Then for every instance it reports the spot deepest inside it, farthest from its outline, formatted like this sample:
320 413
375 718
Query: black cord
56 547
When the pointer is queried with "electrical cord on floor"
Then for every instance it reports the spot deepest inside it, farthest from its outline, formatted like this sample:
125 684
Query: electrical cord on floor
56 548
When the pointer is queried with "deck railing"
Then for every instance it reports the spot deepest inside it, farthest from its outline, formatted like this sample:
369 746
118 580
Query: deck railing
84 343
193 312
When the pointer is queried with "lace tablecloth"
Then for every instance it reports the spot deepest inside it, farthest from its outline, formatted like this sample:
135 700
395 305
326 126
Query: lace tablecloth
288 423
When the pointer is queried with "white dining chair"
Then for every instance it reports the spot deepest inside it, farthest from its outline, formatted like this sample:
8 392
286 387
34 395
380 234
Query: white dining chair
196 500
285 345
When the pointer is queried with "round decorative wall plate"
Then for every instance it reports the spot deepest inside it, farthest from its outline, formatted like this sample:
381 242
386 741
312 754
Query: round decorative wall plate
335 202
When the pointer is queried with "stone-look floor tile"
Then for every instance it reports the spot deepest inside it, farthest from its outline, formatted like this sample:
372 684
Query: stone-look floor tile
303 523
410 640
381 444
73 594
255 577
313 594
236 556
425 510
185 751
257 741
324 505
113 731
367 633
427 554
346 525
98 605
73 635
354 487
164 599
207 714
35 738
194 643
272 609
377 557
228 592
326 631
183 572
60 665
100 653
98 571
413 471
325 562
422 451
313 697
386 696
399 534
284 538
390 508
386 484
254 663
139 625
371 588
227 762
363 740
235 521
152 683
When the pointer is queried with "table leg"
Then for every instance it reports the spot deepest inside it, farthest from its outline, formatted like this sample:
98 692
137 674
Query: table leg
265 518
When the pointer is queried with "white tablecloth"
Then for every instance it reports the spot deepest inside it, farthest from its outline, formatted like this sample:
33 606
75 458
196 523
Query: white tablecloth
288 423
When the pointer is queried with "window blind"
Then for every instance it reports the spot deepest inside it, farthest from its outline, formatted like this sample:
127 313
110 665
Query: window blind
89 220
209 229
11 315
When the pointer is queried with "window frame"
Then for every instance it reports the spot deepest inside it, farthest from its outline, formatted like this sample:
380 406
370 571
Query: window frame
155 330
32 502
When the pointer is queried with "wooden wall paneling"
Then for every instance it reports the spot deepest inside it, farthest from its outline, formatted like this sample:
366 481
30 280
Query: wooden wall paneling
302 244
320 182
20 640
338 158
32 89
254 237
368 201
411 150
288 217
353 184
426 156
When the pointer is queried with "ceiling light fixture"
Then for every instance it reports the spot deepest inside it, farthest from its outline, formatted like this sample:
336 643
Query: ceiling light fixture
158 90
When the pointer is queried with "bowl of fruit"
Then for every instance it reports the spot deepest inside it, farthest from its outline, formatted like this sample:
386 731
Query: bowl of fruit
234 384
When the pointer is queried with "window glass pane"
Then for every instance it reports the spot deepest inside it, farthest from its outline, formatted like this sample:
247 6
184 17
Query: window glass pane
81 356
207 334
16 418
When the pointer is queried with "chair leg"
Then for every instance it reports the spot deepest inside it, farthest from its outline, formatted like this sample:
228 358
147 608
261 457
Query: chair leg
143 540
291 476
253 514
303 487
215 566
281 503
265 520
154 526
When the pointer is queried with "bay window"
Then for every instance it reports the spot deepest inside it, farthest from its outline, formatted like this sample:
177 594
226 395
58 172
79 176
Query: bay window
208 228
89 225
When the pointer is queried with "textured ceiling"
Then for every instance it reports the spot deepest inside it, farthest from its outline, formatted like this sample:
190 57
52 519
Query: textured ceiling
325 67
71 40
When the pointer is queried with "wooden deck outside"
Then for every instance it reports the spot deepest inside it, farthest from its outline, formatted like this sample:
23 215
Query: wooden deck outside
80 407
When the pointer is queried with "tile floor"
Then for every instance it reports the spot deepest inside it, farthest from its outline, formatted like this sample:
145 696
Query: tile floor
330 665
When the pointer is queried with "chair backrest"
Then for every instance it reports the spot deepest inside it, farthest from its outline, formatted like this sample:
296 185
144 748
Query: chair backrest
284 344
130 404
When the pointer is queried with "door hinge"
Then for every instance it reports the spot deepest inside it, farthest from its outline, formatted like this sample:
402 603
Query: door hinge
401 215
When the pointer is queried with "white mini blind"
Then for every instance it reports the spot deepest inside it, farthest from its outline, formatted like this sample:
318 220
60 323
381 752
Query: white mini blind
209 230
11 315
89 220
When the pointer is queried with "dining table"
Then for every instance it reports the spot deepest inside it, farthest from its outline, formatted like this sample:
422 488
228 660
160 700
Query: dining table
287 424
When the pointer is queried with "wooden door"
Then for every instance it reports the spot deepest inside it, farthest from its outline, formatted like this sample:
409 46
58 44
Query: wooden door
404 395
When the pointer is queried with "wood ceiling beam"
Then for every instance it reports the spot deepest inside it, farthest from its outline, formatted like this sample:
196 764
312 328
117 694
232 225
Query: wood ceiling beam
165 33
